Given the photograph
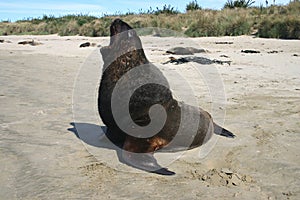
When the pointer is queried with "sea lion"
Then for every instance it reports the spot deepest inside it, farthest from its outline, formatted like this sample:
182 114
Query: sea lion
125 67
184 51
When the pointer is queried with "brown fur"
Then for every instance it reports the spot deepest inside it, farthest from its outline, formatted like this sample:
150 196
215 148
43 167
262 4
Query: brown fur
123 54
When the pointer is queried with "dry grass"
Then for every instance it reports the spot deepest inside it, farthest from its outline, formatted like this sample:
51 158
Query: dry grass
271 22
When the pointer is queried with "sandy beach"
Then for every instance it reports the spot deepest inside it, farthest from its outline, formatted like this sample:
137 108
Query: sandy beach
46 87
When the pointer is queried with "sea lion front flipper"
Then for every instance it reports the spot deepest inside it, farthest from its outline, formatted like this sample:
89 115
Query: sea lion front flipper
144 161
138 153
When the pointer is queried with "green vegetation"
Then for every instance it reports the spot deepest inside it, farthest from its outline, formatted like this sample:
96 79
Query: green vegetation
238 4
285 27
168 10
193 6
269 22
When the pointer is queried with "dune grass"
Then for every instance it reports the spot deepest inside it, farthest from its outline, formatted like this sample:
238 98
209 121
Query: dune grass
271 22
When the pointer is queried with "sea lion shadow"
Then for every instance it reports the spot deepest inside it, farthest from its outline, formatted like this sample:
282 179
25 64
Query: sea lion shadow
95 135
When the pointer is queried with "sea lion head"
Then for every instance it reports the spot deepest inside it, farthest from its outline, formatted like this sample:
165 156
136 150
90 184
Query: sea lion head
118 27
123 40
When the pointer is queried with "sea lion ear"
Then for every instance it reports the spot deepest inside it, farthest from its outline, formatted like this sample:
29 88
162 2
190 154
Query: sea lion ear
131 33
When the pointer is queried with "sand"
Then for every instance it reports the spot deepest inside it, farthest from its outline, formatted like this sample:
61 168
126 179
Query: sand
46 87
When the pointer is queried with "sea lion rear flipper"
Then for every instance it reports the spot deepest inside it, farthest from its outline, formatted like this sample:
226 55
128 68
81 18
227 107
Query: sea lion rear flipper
222 131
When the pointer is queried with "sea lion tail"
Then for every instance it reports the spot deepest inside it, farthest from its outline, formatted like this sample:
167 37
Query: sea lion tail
222 131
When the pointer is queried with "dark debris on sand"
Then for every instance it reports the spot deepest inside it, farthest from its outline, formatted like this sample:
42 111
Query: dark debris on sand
250 51
30 42
196 59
